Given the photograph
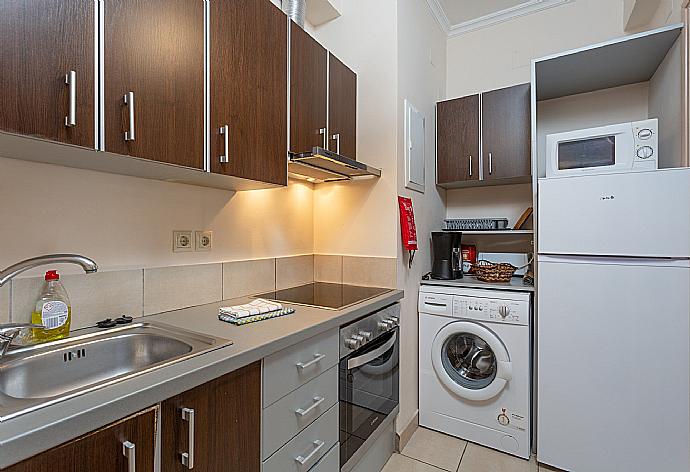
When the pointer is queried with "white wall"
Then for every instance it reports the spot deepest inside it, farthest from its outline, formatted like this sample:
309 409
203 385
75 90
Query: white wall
501 55
360 218
421 80
128 222
664 89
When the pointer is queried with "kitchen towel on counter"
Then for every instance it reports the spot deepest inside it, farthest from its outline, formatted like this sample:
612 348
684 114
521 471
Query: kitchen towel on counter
254 308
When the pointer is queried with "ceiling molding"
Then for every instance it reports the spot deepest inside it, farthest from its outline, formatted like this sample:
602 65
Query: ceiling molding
439 14
523 9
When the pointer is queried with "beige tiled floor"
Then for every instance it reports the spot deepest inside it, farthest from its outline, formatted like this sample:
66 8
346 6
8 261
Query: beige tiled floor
429 451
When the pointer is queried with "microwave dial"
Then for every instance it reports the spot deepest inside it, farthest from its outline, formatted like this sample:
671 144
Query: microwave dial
645 152
645 134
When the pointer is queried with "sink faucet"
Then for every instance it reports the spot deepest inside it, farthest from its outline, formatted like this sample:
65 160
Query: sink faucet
10 331
12 271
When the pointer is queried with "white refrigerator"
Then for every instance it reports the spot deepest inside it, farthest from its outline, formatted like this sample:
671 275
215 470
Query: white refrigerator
613 328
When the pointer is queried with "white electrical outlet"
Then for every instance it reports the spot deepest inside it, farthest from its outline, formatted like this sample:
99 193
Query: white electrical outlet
204 240
182 241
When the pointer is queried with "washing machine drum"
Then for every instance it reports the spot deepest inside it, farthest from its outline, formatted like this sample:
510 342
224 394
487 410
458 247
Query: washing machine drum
471 361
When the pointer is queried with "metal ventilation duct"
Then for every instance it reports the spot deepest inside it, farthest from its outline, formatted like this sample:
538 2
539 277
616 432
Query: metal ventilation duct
296 10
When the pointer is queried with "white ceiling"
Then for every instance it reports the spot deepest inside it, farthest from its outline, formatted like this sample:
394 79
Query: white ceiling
461 11
462 16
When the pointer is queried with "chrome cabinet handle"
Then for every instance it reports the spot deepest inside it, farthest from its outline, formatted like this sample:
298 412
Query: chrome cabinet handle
188 457
129 101
317 358
306 411
129 451
71 82
323 133
470 166
318 444
491 164
225 132
337 142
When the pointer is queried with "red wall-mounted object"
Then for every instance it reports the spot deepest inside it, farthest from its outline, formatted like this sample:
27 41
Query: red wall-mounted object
407 226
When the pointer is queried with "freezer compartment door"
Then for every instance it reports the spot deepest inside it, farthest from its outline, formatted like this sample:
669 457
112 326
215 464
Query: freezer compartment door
613 372
645 214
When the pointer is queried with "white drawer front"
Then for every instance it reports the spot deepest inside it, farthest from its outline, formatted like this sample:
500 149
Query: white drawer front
330 462
296 365
294 412
435 304
307 448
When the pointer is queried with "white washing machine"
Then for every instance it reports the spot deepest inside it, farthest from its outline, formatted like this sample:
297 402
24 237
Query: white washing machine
474 365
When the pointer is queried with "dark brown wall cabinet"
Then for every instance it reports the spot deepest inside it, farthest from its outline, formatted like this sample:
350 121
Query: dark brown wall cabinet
308 91
342 108
154 56
319 81
102 450
42 44
226 415
249 90
458 140
495 151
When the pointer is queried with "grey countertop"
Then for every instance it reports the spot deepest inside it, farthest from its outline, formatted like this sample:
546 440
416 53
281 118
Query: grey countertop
40 430
468 281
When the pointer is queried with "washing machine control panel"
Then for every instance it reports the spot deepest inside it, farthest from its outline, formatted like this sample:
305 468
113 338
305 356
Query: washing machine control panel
489 309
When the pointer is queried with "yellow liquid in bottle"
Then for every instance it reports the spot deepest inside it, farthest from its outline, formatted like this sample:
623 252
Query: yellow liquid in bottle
44 335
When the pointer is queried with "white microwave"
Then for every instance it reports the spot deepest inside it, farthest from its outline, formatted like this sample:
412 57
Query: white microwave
625 147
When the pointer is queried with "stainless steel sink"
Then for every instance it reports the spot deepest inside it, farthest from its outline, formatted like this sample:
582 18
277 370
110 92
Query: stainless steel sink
36 376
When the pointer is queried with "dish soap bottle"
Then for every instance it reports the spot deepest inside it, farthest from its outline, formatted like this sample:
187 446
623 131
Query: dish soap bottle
52 310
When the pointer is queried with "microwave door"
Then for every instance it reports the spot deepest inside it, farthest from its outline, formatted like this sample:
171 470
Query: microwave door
587 153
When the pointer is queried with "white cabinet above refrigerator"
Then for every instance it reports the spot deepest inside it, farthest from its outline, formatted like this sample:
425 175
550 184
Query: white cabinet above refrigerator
642 214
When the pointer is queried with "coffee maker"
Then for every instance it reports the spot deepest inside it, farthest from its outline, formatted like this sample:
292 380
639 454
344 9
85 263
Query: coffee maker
446 263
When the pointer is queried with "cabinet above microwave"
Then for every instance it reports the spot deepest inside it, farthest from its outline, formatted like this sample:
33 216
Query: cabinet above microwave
484 139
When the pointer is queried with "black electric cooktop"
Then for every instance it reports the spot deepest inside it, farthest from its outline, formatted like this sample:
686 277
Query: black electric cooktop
325 295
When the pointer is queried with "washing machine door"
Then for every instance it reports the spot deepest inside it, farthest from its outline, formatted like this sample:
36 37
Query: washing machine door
471 361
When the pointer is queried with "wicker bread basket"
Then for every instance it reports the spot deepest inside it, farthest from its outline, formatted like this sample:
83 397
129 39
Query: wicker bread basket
490 272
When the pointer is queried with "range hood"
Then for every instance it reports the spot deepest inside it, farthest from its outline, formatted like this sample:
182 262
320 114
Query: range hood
321 165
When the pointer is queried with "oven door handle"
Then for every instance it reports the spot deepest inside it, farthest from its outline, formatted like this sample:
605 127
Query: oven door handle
370 356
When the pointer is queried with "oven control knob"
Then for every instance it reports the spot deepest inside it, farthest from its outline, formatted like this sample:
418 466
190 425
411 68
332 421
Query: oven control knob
645 152
366 335
352 343
393 321
384 325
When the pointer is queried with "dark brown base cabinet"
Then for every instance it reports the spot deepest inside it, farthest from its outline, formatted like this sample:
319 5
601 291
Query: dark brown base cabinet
484 139
101 450
227 424
41 43
221 418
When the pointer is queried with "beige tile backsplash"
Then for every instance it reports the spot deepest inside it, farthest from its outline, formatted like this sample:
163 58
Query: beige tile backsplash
150 291
172 288
328 268
5 304
294 271
242 278
370 271
93 297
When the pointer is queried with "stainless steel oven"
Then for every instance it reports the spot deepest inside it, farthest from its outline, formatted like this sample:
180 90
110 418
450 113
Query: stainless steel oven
369 381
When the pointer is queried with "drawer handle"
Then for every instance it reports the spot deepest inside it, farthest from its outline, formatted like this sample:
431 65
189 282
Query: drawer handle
336 137
322 132
188 415
318 445
129 451
316 360
317 402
